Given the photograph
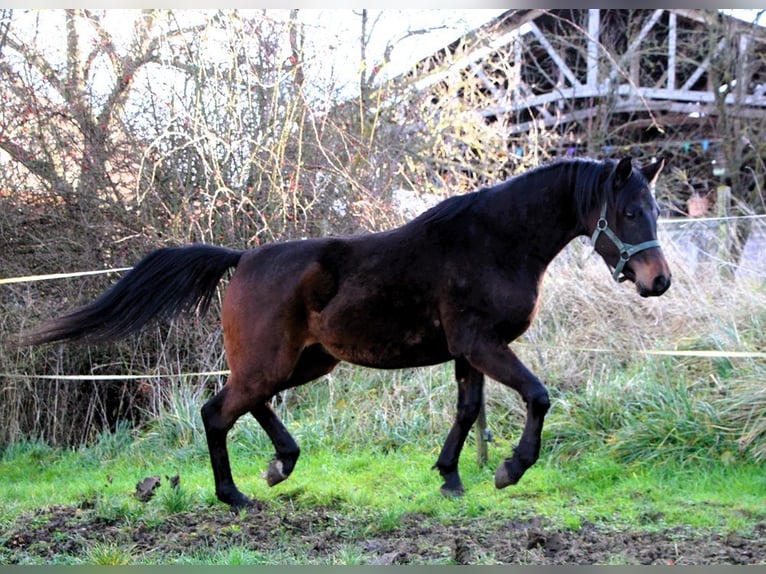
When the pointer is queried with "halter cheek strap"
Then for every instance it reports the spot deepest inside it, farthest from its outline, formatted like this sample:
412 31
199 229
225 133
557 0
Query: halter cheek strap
627 250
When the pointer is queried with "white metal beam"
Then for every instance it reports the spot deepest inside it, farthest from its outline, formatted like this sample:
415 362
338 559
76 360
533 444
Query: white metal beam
554 55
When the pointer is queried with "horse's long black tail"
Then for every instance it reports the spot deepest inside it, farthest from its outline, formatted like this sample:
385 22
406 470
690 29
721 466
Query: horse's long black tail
164 284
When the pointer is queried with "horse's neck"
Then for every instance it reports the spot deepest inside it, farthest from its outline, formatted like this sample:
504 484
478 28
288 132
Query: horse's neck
541 210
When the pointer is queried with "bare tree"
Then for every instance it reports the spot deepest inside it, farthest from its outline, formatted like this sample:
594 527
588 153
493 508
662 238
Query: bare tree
64 125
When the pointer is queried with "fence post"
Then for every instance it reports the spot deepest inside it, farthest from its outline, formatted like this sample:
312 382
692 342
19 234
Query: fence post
483 436
722 204
723 199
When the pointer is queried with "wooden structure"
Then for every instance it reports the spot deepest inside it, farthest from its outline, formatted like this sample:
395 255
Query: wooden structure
647 81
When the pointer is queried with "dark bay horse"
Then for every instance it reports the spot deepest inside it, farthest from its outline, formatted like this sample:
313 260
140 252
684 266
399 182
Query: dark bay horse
460 282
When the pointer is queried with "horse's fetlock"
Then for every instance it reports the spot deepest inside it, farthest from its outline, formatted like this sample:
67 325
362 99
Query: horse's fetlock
453 486
444 469
291 454
231 495
524 457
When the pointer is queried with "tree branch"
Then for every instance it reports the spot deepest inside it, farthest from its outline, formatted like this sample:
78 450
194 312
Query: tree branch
45 170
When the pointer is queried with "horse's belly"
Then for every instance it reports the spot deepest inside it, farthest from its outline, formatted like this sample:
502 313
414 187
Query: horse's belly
382 356
381 338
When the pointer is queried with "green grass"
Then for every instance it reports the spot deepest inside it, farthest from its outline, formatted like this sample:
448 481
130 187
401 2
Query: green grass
387 486
644 445
110 554
651 444
369 492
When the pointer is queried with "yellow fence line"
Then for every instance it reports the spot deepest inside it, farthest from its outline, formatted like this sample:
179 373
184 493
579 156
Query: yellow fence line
702 353
112 377
32 278
710 354
686 220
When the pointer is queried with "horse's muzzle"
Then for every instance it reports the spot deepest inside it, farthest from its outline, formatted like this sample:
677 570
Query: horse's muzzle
660 284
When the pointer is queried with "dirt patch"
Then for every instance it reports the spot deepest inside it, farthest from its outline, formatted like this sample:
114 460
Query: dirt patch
323 535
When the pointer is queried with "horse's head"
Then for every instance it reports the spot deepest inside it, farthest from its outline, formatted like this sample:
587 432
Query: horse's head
625 228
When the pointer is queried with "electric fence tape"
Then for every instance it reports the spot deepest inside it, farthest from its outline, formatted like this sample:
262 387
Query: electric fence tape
700 353
33 278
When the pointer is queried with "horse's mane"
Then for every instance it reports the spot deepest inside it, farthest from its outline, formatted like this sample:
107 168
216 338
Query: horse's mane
584 175
447 209
590 190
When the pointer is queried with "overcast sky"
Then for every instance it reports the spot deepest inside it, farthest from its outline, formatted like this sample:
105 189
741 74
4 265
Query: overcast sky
334 34
413 33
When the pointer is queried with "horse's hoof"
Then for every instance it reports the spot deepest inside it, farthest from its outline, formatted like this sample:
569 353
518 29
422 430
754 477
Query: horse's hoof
274 474
241 502
453 486
505 477
452 492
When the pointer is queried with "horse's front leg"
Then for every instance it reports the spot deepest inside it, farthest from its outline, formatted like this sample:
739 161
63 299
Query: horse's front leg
470 386
497 361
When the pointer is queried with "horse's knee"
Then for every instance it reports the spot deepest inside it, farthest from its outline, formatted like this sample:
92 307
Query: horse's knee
539 403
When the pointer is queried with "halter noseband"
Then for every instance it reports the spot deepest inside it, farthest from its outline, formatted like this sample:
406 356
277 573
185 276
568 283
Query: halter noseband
627 250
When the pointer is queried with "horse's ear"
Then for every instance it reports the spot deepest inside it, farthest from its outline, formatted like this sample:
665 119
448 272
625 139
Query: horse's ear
622 172
652 171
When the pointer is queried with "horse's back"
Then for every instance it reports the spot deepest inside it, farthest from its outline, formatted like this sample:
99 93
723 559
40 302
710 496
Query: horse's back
367 299
391 257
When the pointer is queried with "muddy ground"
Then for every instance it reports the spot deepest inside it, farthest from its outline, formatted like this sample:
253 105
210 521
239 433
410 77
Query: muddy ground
323 535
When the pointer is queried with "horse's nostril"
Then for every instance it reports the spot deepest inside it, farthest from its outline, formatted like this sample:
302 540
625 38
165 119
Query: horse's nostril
661 284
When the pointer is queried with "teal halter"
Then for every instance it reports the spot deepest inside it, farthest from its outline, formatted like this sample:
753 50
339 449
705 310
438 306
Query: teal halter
627 250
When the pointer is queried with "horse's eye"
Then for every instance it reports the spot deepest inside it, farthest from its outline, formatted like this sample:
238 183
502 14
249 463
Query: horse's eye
630 214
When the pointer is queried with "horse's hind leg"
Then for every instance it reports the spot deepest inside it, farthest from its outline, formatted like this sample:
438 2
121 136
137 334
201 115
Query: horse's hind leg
221 412
312 364
287 450
470 386
218 415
